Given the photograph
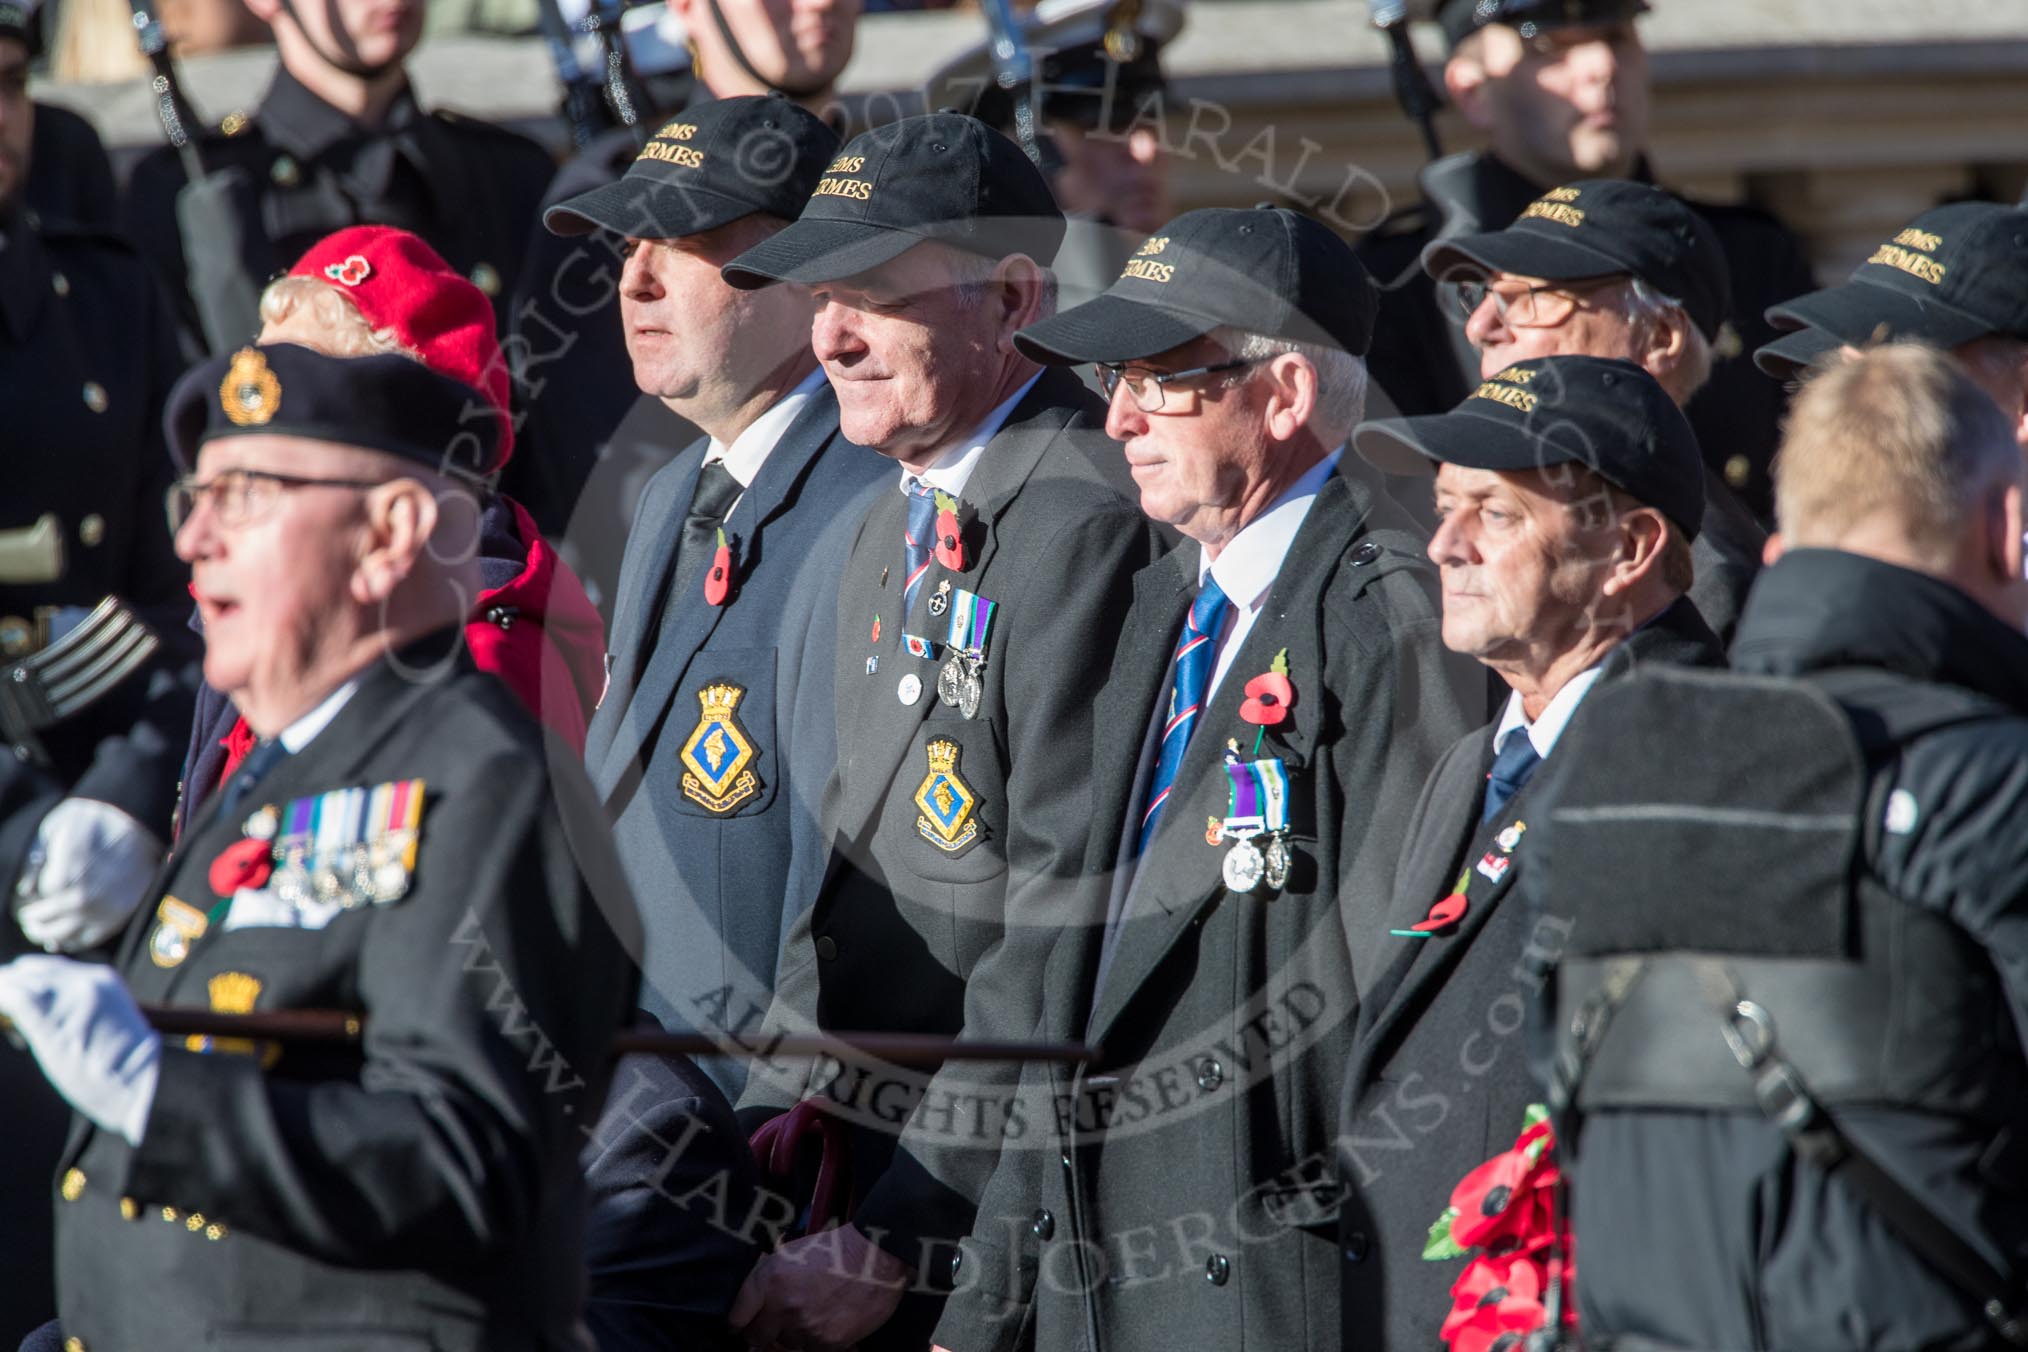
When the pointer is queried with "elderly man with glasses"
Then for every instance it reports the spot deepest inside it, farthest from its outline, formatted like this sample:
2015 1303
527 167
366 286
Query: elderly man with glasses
1277 694
1612 269
395 849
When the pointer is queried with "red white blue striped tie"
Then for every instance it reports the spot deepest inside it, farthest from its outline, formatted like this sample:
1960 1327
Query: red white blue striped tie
917 538
1196 654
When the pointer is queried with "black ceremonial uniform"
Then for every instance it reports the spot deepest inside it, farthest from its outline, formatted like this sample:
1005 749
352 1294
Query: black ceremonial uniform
420 1188
87 354
298 169
1421 362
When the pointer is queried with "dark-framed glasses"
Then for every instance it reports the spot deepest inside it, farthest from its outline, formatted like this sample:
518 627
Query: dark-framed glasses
1146 387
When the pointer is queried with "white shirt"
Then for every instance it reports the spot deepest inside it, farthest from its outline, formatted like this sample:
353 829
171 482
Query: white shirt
300 733
1246 568
749 450
1556 715
953 469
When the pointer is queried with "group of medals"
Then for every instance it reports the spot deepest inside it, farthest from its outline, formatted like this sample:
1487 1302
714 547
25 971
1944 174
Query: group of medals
1256 822
961 678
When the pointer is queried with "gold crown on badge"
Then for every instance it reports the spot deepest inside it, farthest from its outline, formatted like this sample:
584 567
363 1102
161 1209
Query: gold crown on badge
250 394
233 992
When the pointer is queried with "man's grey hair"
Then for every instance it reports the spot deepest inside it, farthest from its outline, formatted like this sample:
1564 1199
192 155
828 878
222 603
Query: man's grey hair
1647 307
1341 377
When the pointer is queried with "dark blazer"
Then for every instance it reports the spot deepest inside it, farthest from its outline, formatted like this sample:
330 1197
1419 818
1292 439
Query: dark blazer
720 877
1196 1158
1439 1080
915 932
421 1190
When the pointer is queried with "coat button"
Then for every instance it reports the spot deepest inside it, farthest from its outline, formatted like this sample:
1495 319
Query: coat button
59 283
1217 1269
1045 1224
73 1184
1210 1075
74 1345
95 396
1366 553
285 172
827 947
957 1262
91 532
130 1210
487 278
1356 1245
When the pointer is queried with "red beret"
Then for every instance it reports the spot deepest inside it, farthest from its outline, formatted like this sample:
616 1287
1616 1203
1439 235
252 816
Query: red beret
401 284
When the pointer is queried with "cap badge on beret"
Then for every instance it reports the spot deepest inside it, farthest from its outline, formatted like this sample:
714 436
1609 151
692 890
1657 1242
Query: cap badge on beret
1909 252
1554 205
351 272
1141 266
1507 388
250 394
667 145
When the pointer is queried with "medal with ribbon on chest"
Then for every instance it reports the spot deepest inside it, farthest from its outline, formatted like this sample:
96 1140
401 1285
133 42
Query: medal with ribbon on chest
350 846
1257 823
961 682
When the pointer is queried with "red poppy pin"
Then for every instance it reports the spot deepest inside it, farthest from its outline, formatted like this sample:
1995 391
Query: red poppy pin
1505 1209
244 863
718 581
950 550
1269 695
351 272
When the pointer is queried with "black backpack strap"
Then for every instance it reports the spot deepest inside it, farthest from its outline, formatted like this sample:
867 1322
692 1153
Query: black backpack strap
1815 1136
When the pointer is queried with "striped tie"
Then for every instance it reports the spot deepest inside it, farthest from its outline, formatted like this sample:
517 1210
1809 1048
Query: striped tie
1196 652
917 537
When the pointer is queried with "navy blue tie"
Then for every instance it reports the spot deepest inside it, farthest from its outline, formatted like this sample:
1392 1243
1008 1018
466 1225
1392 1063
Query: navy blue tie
1196 653
918 537
266 754
1517 760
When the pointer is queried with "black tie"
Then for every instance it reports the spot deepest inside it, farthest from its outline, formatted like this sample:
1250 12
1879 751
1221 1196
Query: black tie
263 758
717 490
1517 760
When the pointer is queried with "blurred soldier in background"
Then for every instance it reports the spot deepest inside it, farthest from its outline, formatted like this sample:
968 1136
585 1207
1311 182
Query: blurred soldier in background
91 615
1955 277
1560 88
338 140
582 414
1792 1008
1098 93
1612 268
1568 491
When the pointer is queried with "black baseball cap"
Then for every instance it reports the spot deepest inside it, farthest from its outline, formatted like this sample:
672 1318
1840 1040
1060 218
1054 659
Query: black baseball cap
1265 269
388 403
1097 64
1462 18
1602 227
1787 355
1953 274
1608 415
709 165
944 176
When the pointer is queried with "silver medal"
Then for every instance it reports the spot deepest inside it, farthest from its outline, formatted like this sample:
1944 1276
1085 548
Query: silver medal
951 680
1243 866
970 693
1277 863
940 599
910 689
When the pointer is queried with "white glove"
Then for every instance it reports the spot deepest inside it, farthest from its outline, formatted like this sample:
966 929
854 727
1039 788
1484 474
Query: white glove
88 869
90 1038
